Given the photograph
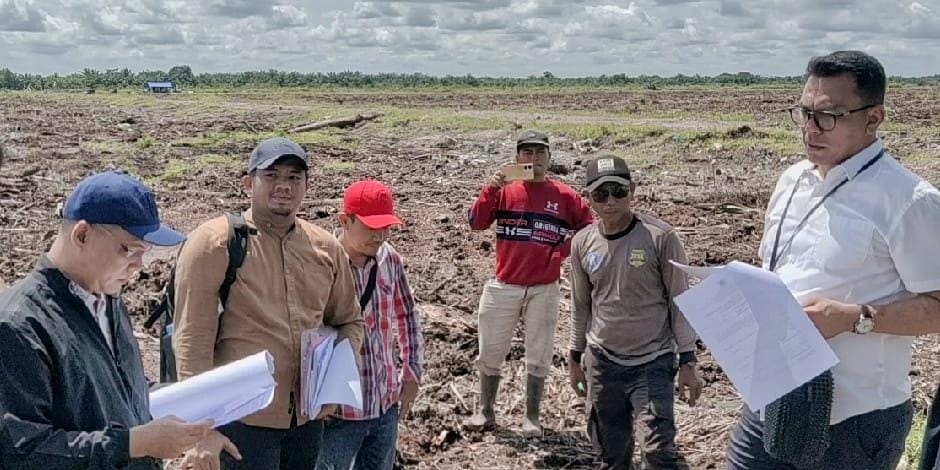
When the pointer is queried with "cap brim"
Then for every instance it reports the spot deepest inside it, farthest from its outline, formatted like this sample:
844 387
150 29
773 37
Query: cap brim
271 161
379 222
159 235
608 179
541 143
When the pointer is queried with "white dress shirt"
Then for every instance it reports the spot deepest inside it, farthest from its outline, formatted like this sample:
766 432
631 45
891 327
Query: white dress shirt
98 308
874 241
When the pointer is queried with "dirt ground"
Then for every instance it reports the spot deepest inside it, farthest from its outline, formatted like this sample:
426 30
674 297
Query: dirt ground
710 178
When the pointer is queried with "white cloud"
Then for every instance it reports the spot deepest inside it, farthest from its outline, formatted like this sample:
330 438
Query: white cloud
287 16
20 15
482 37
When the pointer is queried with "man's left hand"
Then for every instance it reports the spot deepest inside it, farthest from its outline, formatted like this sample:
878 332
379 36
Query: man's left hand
409 392
689 381
830 317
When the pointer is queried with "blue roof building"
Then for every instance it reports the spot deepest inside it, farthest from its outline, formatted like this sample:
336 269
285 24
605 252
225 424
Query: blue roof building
159 87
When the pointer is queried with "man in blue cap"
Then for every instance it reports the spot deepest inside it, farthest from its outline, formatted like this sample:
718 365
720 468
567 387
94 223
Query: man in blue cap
73 393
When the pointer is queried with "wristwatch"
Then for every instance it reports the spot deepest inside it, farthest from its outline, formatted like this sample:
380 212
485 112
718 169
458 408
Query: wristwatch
866 321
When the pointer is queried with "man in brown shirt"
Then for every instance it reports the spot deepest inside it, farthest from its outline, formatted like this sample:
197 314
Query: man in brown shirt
622 287
295 276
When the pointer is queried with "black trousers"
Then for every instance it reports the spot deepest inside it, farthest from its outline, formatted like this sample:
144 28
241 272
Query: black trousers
269 448
618 396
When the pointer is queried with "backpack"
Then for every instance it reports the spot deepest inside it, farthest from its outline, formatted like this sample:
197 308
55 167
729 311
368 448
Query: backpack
238 233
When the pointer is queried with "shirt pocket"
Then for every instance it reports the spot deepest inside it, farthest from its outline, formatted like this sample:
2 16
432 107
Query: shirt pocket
844 244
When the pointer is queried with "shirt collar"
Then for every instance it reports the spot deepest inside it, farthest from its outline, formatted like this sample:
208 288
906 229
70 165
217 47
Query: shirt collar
268 226
849 168
854 164
88 298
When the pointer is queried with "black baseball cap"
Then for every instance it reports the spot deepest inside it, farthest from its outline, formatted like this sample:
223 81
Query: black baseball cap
532 137
270 151
606 169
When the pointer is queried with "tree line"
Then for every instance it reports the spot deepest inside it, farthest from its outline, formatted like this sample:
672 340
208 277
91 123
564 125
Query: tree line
182 76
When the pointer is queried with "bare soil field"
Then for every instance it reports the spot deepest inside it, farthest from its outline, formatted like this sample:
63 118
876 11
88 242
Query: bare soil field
707 160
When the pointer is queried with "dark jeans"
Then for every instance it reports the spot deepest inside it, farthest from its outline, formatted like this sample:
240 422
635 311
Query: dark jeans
270 448
872 441
931 442
617 396
369 443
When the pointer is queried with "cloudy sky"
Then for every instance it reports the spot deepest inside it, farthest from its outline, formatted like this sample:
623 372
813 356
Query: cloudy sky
481 37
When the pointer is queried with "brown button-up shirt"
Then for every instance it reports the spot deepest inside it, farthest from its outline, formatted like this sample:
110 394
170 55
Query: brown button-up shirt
290 281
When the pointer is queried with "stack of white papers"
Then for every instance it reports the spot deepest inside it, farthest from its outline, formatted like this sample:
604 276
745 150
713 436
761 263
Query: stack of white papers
223 395
329 375
756 330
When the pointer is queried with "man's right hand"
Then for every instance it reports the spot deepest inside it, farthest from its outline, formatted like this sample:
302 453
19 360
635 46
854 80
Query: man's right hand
166 438
576 377
498 180
205 456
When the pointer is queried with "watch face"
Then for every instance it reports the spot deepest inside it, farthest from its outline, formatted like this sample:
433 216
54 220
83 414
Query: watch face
864 325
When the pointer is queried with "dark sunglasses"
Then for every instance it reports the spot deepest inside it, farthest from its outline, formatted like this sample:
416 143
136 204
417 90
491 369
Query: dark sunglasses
617 191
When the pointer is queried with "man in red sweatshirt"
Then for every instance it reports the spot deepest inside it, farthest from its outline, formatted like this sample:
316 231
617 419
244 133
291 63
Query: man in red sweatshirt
535 221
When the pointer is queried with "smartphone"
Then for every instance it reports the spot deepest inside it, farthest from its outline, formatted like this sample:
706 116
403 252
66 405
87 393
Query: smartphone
519 171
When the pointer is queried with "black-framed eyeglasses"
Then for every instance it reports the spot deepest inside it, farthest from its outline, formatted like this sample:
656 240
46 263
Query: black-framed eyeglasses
825 120
607 190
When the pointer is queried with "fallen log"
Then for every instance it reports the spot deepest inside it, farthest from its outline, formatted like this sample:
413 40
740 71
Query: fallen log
339 122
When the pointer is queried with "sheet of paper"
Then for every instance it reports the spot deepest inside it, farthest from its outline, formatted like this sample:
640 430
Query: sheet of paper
341 384
756 330
224 394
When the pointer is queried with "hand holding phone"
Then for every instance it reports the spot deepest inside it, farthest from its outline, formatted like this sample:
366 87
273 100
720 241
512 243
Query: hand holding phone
518 172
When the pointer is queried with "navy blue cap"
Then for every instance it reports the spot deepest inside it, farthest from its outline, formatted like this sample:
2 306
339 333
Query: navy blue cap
115 198
271 150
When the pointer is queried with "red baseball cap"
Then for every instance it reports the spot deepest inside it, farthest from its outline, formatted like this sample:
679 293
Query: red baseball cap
371 202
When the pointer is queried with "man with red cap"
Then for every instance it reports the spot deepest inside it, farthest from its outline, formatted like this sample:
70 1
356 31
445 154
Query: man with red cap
367 437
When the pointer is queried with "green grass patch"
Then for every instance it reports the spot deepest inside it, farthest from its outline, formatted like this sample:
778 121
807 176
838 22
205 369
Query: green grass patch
104 146
912 446
339 166
415 121
177 170
145 142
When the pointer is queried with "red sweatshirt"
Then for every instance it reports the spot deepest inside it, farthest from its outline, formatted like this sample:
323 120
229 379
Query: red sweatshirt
534 226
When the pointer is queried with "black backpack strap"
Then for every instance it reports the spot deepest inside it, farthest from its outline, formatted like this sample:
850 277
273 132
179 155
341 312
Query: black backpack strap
162 308
370 286
238 233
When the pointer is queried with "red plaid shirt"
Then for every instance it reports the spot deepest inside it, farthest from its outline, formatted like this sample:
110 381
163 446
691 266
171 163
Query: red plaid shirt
389 317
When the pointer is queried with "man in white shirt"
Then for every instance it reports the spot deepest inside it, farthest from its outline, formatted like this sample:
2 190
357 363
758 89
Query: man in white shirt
853 234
